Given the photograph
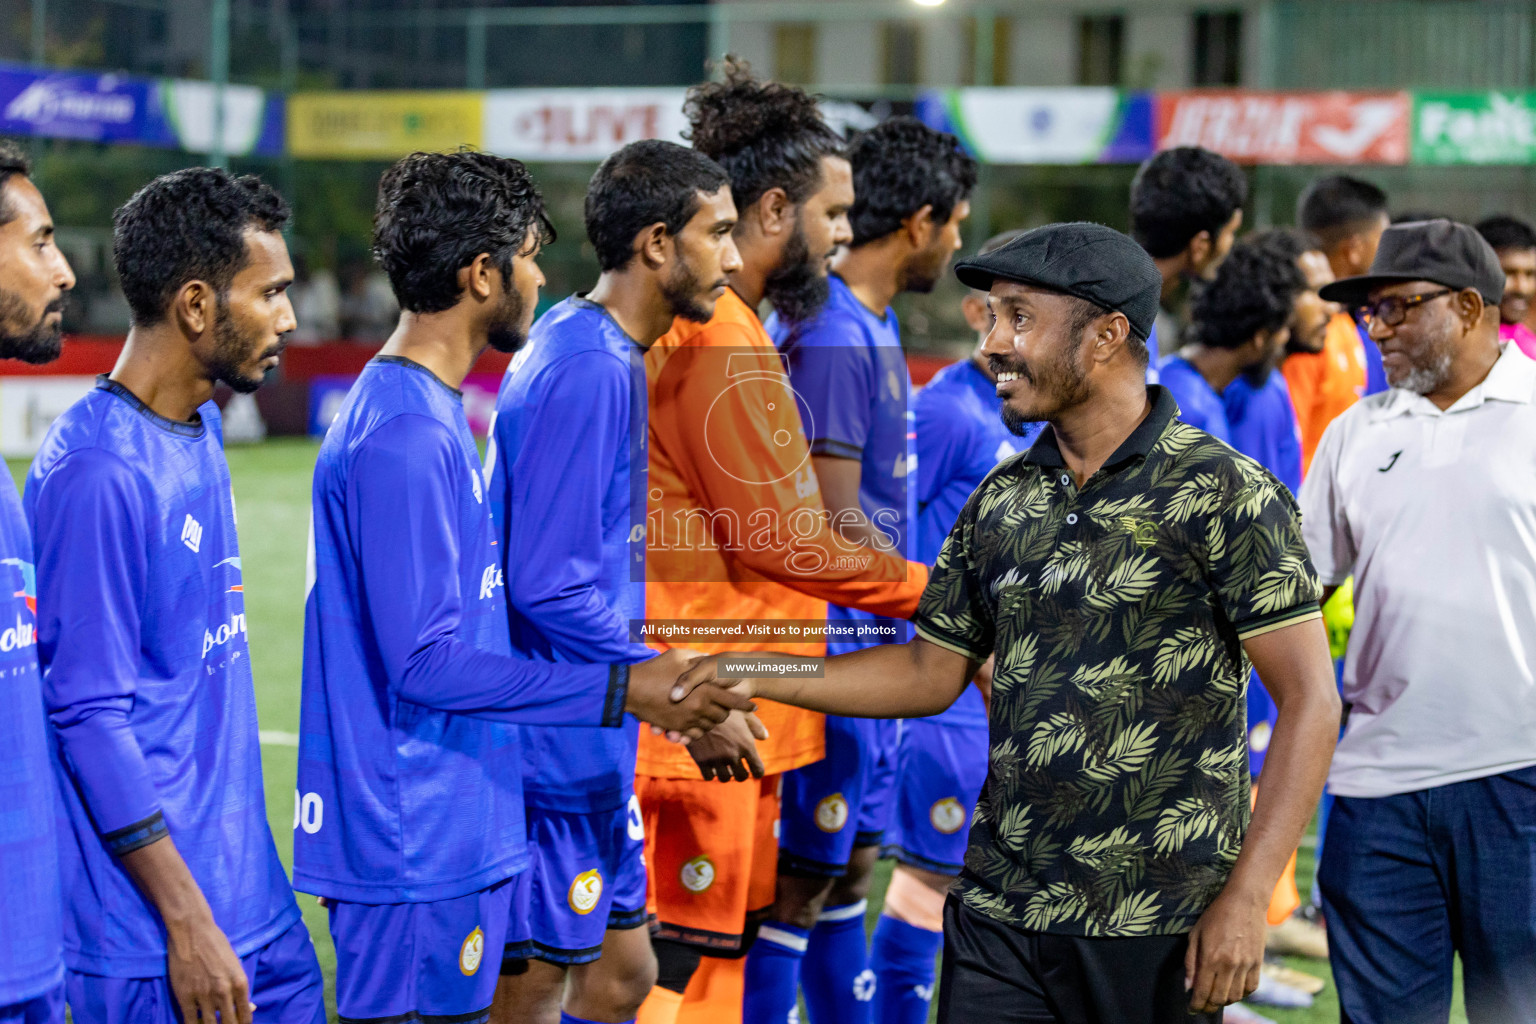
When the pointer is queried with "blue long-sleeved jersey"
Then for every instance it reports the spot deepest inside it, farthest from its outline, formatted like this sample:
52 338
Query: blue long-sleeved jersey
850 378
566 473
147 677
410 773
31 950
1262 420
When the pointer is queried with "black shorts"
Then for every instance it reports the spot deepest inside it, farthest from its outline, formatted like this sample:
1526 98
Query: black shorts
999 974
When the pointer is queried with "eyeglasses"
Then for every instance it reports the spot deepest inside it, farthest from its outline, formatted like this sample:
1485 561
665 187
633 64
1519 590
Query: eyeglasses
1393 309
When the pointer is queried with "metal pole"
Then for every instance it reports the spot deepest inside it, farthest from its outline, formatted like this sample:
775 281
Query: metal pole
719 32
986 47
39 31
474 54
218 67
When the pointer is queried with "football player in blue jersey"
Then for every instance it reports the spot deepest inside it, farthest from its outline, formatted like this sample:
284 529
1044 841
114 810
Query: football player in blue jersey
566 474
34 277
941 761
409 753
912 188
178 907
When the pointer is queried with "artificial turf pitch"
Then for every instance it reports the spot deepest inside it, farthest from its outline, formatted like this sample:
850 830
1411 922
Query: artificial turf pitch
271 482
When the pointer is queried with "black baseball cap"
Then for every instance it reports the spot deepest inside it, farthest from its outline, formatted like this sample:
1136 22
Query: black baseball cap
1440 250
1090 261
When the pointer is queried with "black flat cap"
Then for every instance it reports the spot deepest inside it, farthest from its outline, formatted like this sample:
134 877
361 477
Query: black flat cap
1441 251
1090 261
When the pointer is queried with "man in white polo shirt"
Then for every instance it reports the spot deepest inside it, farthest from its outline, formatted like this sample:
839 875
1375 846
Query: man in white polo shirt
1427 494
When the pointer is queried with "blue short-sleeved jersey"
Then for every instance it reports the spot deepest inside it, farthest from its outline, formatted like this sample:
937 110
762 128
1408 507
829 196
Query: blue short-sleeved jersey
142 639
410 771
1199 404
566 474
850 378
31 953
1263 425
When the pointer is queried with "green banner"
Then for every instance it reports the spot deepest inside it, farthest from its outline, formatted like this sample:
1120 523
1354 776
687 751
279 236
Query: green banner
1474 128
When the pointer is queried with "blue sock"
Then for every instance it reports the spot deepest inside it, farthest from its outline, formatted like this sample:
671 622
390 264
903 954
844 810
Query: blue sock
773 974
566 1018
838 983
902 958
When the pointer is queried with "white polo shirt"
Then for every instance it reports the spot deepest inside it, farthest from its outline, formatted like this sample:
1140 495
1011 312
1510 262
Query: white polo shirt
1435 515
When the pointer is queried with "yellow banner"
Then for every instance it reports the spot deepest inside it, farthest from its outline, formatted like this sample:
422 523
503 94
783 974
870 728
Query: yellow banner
349 125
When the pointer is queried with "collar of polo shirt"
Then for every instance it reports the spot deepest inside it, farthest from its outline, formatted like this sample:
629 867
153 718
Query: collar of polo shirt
1046 452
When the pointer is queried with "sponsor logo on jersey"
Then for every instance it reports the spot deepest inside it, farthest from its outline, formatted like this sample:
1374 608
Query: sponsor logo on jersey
192 533
832 813
586 890
697 874
947 815
634 820
224 634
864 986
474 478
238 588
28 590
471 952
490 579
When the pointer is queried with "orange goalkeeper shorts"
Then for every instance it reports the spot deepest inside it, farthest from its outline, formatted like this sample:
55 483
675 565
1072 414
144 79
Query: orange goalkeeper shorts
712 854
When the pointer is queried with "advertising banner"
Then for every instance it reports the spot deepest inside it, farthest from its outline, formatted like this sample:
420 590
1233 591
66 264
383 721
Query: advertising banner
1474 128
1044 126
168 113
29 405
1288 128
579 124
382 125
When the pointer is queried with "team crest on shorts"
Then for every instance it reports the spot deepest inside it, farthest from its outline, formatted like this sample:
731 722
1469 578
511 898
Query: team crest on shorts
471 952
947 815
697 874
586 890
832 813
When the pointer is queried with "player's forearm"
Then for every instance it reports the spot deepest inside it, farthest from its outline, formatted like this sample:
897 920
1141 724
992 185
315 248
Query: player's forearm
101 753
450 675
164 879
580 626
911 680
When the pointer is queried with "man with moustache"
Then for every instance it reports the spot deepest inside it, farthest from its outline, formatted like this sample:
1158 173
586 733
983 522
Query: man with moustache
1122 572
1514 241
411 817
177 903
34 278
738 533
1424 493
912 189
566 478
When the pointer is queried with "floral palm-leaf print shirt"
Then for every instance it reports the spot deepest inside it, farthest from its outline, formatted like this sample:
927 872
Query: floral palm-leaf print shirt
1117 790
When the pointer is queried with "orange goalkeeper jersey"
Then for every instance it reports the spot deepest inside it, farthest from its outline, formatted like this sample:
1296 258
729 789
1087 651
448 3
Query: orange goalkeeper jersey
735 526
1324 384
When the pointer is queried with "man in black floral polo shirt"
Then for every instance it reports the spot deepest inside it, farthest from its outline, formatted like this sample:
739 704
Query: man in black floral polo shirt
1125 571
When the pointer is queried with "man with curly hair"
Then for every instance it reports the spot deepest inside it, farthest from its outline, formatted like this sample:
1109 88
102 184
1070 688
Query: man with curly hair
737 532
911 193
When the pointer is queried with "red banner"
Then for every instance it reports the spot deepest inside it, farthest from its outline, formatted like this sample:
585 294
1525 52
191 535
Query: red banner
1288 128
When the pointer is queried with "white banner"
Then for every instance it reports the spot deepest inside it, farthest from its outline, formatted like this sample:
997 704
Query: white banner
579 124
29 405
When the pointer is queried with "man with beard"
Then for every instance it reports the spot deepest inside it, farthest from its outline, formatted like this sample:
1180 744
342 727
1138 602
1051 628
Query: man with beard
738 532
1424 494
177 903
1186 209
912 190
942 760
1122 573
410 820
566 477
34 277
1515 243
1239 326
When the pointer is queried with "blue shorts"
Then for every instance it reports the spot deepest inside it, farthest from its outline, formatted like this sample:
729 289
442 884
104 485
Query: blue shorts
840 802
940 772
587 876
47 1008
283 975
400 961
